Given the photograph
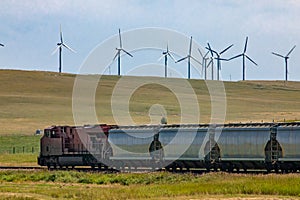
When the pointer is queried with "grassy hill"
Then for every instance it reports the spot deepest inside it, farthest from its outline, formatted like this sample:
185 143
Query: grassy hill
31 100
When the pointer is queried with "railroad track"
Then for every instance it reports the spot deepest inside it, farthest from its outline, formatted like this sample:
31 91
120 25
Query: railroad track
21 168
86 169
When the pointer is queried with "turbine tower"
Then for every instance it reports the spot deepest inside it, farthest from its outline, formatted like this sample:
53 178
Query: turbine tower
165 55
218 58
244 55
118 54
188 57
204 62
286 60
59 48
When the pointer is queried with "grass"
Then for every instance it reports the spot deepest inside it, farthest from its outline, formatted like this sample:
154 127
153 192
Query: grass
18 150
35 100
31 100
13 143
19 159
159 185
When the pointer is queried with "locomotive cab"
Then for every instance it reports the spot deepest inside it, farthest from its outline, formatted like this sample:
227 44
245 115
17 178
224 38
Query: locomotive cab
51 145
74 146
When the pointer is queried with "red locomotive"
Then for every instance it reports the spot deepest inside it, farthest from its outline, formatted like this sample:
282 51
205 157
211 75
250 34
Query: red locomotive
74 146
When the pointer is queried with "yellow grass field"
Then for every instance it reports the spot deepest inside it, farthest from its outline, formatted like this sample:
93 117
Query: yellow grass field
31 100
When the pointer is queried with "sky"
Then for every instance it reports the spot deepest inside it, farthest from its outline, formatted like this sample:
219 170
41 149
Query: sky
30 31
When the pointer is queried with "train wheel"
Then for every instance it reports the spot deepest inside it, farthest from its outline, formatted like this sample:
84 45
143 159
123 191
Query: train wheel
230 168
208 169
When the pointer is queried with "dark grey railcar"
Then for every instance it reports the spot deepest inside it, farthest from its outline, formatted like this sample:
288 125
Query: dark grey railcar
182 146
288 137
243 147
130 146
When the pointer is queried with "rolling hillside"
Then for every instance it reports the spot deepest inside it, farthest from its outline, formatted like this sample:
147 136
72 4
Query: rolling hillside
31 100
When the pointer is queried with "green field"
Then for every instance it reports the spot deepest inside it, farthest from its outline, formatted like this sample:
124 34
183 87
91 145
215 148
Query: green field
31 100
159 185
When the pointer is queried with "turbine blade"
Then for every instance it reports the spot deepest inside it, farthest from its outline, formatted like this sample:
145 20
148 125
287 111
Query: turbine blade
68 47
291 51
211 60
200 53
171 56
209 48
181 59
2 45
190 50
127 52
276 54
215 52
205 54
245 48
120 38
161 57
118 52
61 35
211 51
56 49
196 60
235 57
226 49
251 60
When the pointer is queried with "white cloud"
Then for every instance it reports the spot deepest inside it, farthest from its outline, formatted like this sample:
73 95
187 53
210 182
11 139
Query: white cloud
75 8
270 24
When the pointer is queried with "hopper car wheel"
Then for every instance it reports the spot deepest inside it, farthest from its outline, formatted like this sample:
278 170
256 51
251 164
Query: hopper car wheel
215 168
230 168
223 168
276 168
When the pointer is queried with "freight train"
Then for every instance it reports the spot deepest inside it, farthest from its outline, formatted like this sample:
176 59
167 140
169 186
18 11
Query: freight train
226 147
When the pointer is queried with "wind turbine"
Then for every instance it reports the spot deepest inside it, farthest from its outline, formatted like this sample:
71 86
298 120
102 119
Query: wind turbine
244 55
286 61
59 48
166 54
204 63
2 45
60 45
188 57
118 54
218 58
